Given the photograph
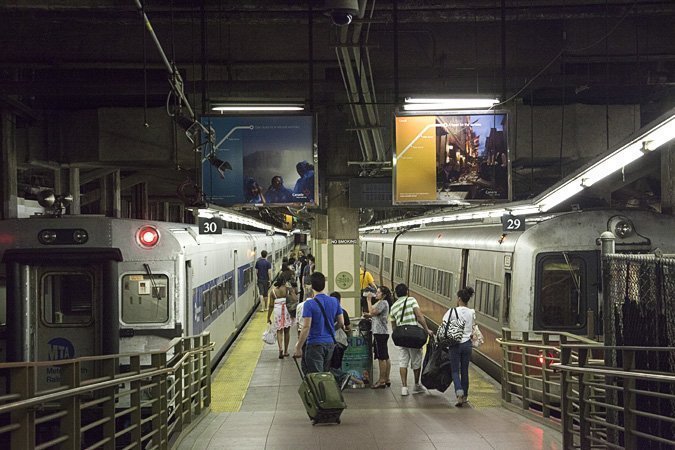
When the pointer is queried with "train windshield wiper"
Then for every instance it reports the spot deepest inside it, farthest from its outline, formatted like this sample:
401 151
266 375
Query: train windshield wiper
156 292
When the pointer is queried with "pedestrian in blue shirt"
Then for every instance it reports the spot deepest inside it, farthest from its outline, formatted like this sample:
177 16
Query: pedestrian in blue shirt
318 331
264 272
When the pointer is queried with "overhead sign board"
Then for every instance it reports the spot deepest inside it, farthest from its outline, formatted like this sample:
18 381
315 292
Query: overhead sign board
210 225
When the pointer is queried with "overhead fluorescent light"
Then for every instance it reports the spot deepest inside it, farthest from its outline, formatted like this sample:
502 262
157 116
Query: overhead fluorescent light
249 107
229 216
439 104
648 139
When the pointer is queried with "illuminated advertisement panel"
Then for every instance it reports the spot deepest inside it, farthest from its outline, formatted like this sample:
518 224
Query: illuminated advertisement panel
260 160
450 158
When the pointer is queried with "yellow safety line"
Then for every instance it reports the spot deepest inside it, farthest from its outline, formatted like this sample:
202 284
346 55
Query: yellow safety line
230 383
482 393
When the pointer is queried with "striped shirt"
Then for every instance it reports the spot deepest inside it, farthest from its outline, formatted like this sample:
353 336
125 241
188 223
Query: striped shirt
408 315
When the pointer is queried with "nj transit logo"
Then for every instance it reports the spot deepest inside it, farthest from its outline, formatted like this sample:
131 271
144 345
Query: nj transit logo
60 348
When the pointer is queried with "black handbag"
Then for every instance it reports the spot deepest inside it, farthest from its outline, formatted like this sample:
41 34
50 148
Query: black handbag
409 336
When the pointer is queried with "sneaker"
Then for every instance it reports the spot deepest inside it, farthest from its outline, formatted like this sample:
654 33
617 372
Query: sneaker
419 389
404 391
345 382
460 401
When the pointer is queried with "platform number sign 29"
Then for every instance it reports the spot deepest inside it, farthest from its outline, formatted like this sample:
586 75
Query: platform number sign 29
513 223
210 226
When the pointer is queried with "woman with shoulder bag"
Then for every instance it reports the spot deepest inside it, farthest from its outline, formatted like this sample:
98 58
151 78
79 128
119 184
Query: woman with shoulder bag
460 354
406 311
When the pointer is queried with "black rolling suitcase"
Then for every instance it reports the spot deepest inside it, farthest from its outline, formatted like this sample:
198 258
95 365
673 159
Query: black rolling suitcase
321 396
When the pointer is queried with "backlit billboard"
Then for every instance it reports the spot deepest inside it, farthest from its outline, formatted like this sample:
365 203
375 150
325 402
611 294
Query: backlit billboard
259 160
451 158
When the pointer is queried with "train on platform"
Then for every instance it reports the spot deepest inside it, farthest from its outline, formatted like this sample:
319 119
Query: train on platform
546 277
77 286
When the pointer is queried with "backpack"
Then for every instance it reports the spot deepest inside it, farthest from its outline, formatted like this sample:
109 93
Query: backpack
450 332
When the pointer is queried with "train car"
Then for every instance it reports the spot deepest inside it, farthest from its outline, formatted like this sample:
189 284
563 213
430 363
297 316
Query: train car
546 277
92 285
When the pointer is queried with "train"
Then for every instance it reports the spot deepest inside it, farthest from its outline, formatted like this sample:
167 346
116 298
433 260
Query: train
546 277
76 286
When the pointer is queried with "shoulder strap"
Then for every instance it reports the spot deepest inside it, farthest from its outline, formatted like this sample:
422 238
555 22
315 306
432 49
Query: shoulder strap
325 318
403 309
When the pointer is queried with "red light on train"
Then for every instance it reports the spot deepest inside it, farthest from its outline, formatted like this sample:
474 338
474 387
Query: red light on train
147 236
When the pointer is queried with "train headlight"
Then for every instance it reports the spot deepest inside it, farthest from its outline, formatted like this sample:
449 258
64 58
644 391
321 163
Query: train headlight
147 236
47 237
621 226
80 236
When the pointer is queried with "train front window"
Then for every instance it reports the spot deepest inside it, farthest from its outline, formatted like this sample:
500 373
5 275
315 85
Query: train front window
560 292
145 298
67 298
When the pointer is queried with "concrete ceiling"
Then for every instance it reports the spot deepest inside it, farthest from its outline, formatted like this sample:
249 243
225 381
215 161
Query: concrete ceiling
71 55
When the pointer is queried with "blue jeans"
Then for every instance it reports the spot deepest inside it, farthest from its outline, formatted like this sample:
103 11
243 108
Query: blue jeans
460 356
316 357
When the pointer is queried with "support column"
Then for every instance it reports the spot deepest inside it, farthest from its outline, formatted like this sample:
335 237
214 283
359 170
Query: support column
8 168
74 190
668 179
116 189
337 238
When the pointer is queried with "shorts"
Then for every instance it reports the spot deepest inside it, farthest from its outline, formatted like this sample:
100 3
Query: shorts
380 347
263 287
410 357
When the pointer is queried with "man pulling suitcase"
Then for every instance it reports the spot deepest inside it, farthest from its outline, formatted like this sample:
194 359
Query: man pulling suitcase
319 391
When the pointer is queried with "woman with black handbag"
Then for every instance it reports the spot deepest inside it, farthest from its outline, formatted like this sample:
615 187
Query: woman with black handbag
406 316
460 352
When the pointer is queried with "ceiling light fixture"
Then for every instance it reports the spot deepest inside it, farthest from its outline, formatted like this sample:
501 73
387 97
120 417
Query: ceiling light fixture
440 104
257 107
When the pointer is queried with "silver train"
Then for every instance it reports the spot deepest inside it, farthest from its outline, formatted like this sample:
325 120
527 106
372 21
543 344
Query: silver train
546 277
91 285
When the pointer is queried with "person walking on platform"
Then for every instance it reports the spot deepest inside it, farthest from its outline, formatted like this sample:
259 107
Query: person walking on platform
460 354
406 311
367 285
318 316
279 295
263 270
379 312
306 276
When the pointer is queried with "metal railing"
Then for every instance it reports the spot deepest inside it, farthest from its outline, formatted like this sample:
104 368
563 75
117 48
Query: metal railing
530 385
119 402
605 406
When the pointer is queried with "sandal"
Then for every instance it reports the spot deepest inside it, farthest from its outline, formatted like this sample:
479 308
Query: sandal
378 385
281 354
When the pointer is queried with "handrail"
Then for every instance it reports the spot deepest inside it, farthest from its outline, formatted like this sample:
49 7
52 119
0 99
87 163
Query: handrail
148 405
616 372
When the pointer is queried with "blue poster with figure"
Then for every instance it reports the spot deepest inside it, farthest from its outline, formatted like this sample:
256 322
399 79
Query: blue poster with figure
259 160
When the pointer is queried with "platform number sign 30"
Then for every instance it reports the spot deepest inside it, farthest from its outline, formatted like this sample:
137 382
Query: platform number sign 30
210 226
513 223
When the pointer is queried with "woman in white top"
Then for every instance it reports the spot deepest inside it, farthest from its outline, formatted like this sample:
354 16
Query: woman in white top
460 354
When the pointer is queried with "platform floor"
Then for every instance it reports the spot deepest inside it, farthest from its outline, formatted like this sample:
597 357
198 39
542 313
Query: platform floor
268 413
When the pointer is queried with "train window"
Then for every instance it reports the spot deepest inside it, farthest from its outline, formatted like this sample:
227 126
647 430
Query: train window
444 284
560 294
221 295
145 298
488 298
362 256
67 298
386 264
373 260
400 267
416 277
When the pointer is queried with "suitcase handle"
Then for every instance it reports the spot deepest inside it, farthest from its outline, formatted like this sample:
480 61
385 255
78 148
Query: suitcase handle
302 376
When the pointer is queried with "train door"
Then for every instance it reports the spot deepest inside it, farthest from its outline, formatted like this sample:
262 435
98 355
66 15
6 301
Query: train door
189 302
68 315
566 291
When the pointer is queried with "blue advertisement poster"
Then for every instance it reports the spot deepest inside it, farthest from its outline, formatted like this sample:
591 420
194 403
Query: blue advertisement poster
259 160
